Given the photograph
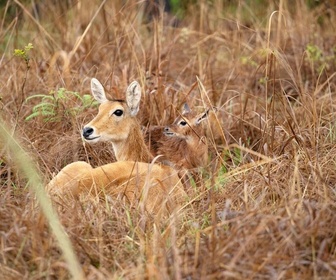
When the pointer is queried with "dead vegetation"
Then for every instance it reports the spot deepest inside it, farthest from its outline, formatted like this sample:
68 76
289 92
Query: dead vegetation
265 204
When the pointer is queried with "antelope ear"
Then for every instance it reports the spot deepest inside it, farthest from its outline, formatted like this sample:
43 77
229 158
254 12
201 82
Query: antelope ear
186 109
98 91
133 97
201 117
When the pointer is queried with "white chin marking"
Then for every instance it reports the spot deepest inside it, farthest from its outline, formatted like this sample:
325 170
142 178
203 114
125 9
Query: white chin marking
169 134
93 140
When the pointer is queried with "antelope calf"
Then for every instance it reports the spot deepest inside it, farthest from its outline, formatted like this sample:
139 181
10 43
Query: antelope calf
183 144
131 177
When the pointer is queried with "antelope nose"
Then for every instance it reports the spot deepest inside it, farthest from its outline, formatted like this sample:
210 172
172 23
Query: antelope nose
87 131
166 129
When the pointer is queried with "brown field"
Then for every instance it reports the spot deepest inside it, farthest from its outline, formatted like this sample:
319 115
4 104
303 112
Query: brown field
265 205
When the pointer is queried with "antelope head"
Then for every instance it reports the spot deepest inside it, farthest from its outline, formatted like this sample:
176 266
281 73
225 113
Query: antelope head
115 118
187 125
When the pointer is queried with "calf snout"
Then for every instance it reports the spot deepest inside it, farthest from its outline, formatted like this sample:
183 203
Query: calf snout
87 132
167 131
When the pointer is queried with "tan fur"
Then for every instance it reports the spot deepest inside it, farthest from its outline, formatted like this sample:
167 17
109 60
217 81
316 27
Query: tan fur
122 130
158 187
125 134
152 184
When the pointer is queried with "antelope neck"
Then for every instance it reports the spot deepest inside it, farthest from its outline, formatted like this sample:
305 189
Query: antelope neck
133 148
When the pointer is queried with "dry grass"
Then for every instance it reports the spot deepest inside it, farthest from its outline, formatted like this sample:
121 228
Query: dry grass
265 206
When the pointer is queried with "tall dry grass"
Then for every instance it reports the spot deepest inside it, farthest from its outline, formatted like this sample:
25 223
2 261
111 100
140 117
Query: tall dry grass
265 206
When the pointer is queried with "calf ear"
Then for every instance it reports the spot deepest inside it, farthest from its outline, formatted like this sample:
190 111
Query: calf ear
98 91
186 109
133 97
201 117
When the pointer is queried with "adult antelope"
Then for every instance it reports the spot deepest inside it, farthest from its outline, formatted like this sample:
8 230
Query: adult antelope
116 122
183 144
131 176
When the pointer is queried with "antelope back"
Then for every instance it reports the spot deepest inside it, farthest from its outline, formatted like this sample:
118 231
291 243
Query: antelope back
157 187
116 118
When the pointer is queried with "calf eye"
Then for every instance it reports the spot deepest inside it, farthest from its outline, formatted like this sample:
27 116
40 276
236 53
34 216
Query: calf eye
118 113
183 123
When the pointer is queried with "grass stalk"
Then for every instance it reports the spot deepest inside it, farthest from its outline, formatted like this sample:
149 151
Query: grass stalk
28 168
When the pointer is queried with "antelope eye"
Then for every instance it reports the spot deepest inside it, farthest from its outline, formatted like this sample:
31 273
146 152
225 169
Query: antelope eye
118 113
183 123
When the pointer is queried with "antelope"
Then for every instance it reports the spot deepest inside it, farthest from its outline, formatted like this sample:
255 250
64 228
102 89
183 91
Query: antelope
116 122
132 176
183 144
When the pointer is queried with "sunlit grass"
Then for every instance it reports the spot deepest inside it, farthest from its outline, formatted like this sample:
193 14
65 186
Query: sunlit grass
265 205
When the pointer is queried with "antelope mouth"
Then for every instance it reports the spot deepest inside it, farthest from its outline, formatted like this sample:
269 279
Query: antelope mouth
91 138
168 133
